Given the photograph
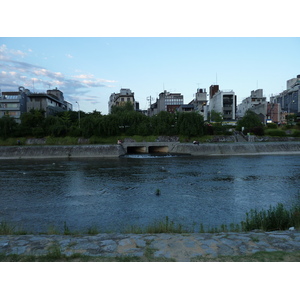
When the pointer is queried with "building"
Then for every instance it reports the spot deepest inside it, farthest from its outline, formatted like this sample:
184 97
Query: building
186 108
167 101
255 102
51 102
200 101
289 99
223 102
274 114
13 104
119 99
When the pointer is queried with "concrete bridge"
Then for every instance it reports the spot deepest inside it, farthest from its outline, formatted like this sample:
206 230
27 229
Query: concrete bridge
149 147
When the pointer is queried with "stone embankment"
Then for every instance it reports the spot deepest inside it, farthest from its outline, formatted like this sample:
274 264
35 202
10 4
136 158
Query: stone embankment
178 247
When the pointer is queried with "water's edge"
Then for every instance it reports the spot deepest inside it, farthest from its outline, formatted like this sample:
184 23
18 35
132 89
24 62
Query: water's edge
106 151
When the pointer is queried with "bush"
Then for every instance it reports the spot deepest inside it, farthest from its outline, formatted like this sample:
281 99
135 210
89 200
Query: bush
275 218
258 131
272 126
296 133
275 132
38 132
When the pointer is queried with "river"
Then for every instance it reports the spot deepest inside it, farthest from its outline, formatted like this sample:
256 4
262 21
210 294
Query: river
114 193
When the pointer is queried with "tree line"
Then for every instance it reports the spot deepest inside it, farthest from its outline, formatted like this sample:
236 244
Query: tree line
122 121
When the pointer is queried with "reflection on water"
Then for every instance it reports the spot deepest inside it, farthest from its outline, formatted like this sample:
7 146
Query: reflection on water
114 193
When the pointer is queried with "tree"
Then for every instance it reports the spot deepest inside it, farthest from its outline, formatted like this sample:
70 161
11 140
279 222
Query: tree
8 126
216 116
190 124
250 122
164 123
291 119
32 121
128 106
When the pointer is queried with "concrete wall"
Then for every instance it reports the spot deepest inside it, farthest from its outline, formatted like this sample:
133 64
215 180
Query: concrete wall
103 151
238 148
20 152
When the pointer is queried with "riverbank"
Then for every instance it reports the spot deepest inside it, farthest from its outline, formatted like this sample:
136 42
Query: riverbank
107 151
154 247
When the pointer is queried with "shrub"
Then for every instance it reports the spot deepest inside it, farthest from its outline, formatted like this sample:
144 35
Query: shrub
296 133
275 218
272 126
275 132
258 131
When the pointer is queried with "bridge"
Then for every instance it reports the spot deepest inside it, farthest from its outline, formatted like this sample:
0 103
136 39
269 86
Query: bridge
148 147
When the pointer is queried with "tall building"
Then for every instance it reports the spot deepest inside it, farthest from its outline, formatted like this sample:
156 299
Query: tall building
289 99
119 99
223 102
13 104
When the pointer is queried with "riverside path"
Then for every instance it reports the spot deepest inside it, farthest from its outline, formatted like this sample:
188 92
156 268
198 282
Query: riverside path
175 247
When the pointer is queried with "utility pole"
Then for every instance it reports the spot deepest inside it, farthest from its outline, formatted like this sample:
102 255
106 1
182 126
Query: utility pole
78 114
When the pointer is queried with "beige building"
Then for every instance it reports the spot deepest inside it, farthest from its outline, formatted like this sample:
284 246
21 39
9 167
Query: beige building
119 99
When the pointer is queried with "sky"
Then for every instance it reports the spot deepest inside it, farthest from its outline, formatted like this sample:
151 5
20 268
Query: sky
91 51
88 69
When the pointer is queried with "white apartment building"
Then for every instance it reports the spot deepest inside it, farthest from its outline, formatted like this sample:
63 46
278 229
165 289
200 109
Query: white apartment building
224 102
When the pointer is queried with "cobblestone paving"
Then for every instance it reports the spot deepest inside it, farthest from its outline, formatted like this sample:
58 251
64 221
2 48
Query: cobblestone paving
180 247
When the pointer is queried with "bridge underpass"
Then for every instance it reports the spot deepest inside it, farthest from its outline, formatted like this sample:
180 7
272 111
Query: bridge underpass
147 148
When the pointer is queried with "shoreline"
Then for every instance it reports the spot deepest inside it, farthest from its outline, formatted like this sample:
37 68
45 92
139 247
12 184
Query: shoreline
115 151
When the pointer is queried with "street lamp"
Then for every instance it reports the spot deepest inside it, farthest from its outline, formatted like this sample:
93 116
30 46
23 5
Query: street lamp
78 114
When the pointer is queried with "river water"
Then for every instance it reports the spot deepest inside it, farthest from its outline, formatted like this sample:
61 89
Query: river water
114 193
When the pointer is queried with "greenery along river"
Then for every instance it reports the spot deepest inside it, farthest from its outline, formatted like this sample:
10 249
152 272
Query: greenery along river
112 194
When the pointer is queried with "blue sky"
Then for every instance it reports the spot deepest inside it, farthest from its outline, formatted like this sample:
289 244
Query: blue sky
89 69
90 51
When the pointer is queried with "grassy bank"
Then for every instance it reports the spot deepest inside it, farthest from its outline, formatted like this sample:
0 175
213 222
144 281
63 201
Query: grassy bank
94 140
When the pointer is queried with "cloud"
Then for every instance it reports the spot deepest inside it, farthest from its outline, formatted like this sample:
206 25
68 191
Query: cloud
6 53
15 73
84 76
69 56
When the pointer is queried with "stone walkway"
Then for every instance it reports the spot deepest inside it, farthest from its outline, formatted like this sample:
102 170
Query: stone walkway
180 247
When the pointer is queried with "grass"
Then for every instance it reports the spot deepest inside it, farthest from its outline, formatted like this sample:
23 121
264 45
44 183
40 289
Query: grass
56 256
68 140
275 218
261 256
